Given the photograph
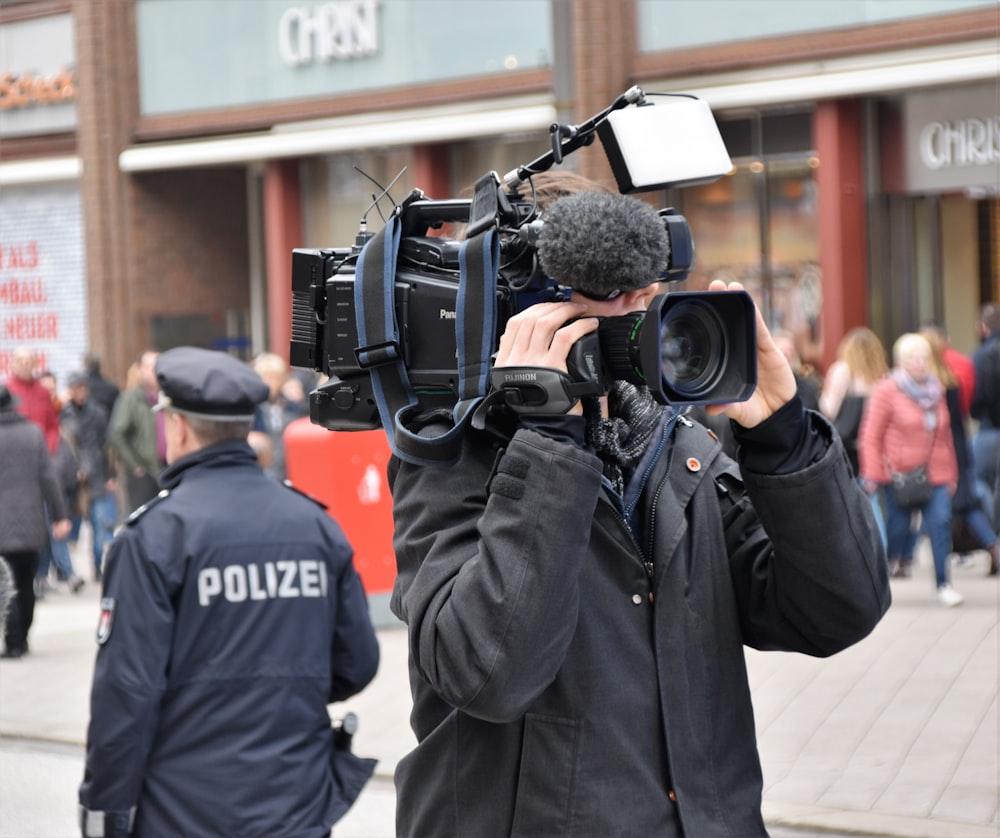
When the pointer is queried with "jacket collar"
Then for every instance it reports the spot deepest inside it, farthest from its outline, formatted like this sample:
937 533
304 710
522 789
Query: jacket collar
229 453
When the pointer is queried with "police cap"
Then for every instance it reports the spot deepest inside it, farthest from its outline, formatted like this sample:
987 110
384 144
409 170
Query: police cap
209 384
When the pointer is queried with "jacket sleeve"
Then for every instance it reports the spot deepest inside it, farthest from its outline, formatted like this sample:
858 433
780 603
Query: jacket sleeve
488 568
119 438
130 674
51 490
808 563
355 652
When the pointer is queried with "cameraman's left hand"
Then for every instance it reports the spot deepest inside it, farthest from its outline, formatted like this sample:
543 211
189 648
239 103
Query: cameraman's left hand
775 381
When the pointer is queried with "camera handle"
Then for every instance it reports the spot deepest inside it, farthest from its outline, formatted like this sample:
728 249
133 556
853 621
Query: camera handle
568 138
538 389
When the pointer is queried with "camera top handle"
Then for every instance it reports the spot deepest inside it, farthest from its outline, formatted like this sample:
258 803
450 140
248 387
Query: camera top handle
568 138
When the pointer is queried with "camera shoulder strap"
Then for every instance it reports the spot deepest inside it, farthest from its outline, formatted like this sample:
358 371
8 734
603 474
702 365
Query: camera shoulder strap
380 350
476 319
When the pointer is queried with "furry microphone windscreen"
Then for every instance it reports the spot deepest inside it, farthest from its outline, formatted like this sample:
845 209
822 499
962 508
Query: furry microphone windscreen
599 243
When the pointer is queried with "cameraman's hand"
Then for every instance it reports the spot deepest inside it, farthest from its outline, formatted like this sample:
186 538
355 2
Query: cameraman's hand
540 337
775 381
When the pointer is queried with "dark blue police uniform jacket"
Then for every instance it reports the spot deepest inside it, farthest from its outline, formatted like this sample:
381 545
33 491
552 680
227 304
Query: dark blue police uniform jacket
231 616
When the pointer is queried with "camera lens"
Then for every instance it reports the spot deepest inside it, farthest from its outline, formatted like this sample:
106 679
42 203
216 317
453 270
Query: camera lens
693 349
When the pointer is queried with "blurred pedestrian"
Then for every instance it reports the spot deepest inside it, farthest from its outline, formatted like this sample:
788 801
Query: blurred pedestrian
967 507
232 615
806 382
87 425
103 391
34 400
849 381
906 425
282 406
985 408
65 460
963 370
136 437
28 487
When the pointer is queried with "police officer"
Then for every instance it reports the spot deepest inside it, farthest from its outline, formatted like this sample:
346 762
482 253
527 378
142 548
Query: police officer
231 615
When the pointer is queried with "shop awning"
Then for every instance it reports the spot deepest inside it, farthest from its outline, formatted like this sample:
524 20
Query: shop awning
423 125
45 170
863 75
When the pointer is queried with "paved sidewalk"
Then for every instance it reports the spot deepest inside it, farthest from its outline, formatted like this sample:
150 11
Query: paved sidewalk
899 735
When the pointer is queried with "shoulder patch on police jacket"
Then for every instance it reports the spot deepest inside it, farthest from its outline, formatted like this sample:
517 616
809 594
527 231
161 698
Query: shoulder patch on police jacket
289 485
107 620
138 512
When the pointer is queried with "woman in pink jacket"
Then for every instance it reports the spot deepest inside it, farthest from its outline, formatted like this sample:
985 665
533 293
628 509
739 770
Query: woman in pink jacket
906 424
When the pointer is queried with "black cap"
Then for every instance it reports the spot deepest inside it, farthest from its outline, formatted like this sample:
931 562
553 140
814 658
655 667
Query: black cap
212 385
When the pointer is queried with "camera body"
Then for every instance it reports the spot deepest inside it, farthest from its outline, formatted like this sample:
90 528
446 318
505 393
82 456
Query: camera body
426 288
688 348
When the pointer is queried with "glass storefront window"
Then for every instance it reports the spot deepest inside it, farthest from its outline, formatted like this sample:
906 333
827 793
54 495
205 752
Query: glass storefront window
336 194
197 55
678 24
759 226
793 235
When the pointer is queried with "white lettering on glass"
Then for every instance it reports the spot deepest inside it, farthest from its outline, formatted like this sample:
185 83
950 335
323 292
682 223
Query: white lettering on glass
337 31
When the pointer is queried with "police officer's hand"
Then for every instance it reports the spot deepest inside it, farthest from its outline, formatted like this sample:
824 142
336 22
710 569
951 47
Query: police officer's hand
775 380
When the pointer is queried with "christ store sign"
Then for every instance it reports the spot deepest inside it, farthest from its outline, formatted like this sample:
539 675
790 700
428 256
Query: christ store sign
330 32
952 140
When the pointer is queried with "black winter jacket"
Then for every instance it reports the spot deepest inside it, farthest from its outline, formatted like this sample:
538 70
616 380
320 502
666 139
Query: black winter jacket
576 658
27 483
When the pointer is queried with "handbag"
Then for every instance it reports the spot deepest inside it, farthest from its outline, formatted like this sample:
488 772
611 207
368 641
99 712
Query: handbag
911 489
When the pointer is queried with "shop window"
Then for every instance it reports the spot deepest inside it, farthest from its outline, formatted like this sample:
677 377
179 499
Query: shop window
759 225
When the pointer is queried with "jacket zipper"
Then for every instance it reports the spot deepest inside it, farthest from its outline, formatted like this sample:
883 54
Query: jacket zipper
647 554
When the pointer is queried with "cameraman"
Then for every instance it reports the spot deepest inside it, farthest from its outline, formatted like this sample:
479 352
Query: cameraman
579 587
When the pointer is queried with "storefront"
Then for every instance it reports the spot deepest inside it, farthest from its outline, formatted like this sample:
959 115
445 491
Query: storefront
202 147
863 189
935 222
336 102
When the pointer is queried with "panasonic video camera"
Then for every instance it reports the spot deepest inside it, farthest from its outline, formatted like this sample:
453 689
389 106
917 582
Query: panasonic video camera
688 347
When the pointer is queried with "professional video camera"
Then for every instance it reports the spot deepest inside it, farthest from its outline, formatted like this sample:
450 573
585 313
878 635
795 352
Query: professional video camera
406 322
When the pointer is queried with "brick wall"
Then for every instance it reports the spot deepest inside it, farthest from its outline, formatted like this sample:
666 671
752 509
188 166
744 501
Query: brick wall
189 238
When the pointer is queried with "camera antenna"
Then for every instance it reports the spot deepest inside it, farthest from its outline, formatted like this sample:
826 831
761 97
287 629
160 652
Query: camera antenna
363 234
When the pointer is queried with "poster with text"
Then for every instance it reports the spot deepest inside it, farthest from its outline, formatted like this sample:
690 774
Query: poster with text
43 299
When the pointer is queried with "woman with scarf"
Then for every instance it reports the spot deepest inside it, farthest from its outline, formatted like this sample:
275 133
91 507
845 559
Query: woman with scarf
906 426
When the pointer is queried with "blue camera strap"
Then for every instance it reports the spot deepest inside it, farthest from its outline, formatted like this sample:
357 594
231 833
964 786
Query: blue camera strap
380 349
476 319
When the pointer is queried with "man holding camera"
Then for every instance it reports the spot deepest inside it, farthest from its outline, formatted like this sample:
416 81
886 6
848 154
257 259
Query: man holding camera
579 587
231 616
